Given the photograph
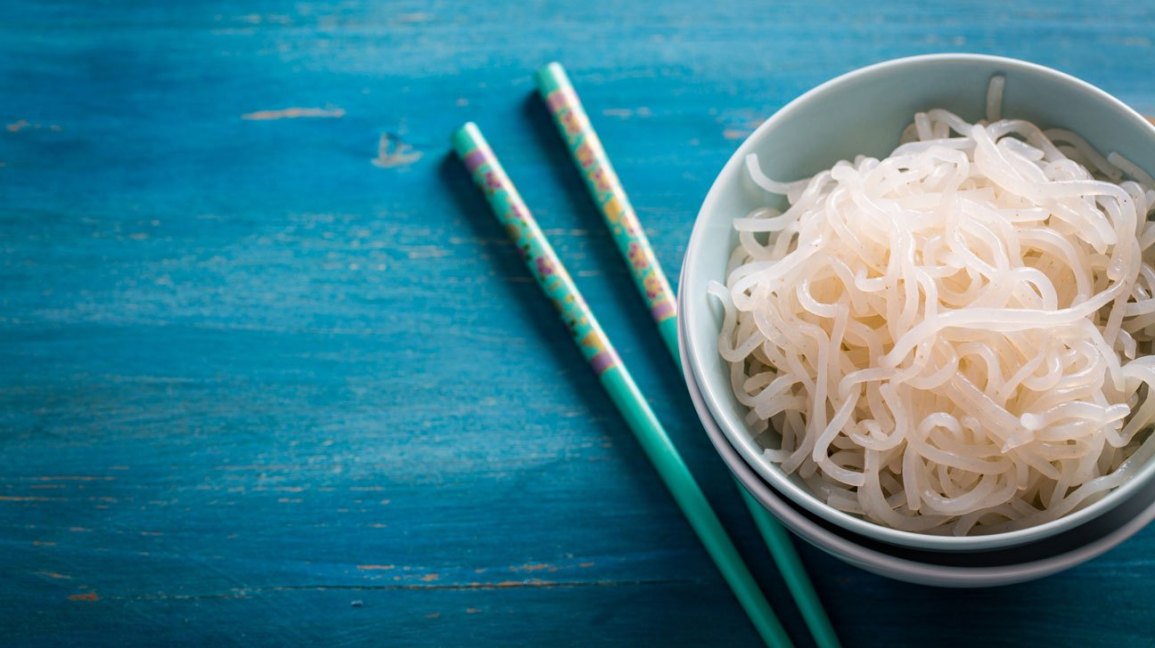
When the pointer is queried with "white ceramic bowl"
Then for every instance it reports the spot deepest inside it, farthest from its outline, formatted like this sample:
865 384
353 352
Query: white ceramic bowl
863 112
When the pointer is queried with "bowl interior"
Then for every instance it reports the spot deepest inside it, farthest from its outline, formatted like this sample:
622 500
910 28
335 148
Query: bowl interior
863 113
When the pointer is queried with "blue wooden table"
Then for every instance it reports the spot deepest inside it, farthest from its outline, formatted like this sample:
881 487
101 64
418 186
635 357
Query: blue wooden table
270 373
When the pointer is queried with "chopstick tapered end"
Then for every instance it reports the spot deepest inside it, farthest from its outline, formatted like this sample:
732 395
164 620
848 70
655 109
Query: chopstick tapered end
550 77
467 137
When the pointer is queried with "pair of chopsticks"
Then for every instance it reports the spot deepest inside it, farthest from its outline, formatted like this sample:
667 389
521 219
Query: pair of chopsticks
555 281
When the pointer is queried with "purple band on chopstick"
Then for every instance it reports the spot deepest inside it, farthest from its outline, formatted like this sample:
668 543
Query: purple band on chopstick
474 160
663 311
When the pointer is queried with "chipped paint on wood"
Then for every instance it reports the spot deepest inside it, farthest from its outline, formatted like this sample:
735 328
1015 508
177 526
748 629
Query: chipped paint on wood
295 113
54 575
392 152
18 498
627 113
24 124
534 567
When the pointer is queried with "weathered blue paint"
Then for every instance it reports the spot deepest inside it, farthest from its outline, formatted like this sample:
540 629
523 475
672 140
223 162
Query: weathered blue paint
254 372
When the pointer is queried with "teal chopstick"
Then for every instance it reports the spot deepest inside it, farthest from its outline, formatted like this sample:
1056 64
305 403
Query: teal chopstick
607 192
584 144
555 281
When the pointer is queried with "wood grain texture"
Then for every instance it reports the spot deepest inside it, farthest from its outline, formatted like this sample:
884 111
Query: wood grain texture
268 373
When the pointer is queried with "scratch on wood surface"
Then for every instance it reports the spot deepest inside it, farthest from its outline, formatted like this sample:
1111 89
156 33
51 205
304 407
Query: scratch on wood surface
392 152
426 252
295 113
24 124
740 124
565 231
54 575
429 578
533 583
375 567
257 19
413 18
74 478
249 593
256 467
626 113
17 498
534 567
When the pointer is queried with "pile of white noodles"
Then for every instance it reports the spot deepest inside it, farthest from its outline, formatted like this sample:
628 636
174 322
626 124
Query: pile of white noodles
954 339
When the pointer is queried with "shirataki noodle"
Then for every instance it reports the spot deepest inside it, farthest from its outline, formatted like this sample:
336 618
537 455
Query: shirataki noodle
955 339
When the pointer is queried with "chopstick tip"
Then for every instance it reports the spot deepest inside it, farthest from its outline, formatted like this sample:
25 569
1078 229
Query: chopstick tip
551 76
466 137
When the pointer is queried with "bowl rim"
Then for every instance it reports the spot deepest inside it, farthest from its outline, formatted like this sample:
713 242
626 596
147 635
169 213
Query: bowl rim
888 564
741 439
